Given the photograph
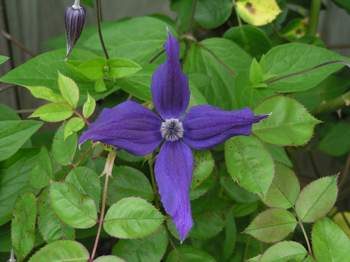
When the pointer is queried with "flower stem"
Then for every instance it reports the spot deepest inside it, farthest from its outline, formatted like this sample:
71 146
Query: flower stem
314 17
99 18
76 4
108 173
153 181
334 104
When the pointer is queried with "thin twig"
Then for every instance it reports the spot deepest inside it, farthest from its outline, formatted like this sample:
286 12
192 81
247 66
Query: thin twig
86 121
345 219
108 173
193 12
17 43
305 235
99 18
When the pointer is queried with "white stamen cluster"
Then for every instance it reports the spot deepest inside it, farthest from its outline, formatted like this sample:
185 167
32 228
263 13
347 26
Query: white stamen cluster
172 129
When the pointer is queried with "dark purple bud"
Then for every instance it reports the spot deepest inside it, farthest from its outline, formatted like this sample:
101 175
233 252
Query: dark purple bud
74 21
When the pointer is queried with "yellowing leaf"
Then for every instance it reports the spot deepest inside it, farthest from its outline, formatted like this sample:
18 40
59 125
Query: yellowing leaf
257 12
341 219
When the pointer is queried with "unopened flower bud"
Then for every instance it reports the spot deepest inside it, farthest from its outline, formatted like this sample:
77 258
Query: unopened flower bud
74 21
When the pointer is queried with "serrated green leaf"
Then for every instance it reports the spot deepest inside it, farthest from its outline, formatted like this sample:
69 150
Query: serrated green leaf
203 167
284 189
150 249
132 217
329 242
13 134
211 14
68 89
42 172
288 124
45 93
249 164
188 253
279 154
63 150
257 12
74 125
295 57
272 225
244 209
72 207
284 251
235 192
230 236
23 225
122 67
207 225
50 226
109 259
126 182
87 181
14 180
59 251
317 199
89 106
53 112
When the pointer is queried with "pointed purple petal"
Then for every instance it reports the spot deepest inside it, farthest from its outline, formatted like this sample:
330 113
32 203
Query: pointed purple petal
128 126
173 172
206 126
170 89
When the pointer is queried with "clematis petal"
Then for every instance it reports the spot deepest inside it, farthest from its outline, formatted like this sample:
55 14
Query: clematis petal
206 126
170 89
173 171
128 126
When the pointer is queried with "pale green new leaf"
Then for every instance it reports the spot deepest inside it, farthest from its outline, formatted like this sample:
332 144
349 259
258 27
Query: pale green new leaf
132 217
72 207
68 89
289 123
272 225
59 251
284 189
23 225
317 199
45 93
122 67
89 106
74 125
249 164
329 242
53 112
14 133
284 251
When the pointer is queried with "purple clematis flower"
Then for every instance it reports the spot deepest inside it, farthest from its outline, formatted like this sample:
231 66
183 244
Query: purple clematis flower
140 131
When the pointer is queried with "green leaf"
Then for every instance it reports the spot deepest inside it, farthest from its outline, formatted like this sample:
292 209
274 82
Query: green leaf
122 67
203 167
230 236
126 182
257 12
3 59
294 57
218 60
50 226
109 259
329 242
63 150
317 199
89 106
150 249
188 253
137 38
72 207
272 225
244 209
252 39
284 251
256 74
207 225
211 14
53 112
59 251
343 4
93 69
23 225
132 217
68 89
42 172
279 154
284 189
288 124
336 142
249 164
183 8
87 181
45 93
14 180
7 113
74 125
13 134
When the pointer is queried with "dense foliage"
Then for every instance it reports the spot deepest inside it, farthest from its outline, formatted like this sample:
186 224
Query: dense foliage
250 197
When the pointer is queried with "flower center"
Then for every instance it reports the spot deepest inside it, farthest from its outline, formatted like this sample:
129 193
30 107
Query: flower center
172 129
